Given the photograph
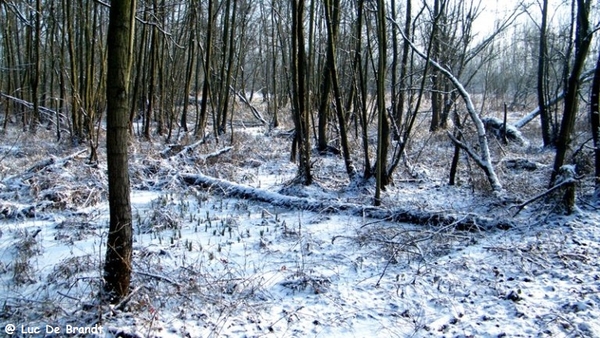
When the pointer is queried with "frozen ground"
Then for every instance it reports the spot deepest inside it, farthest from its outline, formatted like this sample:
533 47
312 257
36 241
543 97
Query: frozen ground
209 265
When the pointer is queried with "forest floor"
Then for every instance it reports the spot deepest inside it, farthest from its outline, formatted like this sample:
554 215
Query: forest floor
207 264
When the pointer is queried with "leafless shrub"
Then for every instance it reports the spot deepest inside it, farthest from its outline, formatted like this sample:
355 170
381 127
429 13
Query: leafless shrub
70 268
25 249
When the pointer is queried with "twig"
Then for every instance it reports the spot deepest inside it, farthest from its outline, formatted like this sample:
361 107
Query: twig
159 277
255 112
67 296
125 300
546 193
216 153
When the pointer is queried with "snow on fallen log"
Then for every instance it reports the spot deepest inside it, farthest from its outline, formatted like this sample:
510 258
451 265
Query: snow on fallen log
496 127
468 222
41 165
10 210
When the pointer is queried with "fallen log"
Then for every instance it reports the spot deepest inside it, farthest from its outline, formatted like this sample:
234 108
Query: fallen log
41 165
183 151
10 210
468 222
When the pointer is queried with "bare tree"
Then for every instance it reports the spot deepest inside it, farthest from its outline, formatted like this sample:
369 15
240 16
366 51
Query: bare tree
331 15
545 117
300 94
201 126
595 124
383 129
583 39
483 159
117 267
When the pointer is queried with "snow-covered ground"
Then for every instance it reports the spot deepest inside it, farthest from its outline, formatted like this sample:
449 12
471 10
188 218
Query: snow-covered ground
210 265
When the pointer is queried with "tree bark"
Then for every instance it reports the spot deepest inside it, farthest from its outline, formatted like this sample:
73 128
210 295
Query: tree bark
331 17
190 68
299 93
117 267
37 68
383 133
207 70
436 78
595 124
583 39
545 116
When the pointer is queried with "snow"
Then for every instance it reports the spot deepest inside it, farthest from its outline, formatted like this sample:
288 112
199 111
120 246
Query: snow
207 264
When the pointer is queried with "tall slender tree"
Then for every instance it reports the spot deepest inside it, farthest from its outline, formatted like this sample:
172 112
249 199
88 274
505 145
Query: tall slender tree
545 116
332 8
299 94
117 267
201 126
383 128
37 66
583 39
595 124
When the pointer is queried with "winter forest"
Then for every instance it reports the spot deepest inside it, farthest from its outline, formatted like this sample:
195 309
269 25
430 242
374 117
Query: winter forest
303 168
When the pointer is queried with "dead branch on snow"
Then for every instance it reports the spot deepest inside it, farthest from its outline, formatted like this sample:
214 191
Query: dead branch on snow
460 222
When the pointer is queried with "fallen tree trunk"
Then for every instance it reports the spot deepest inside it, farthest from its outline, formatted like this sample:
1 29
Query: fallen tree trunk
43 164
484 158
183 151
467 222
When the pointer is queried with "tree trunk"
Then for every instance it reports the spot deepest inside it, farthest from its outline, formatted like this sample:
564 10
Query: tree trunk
117 267
595 123
152 69
229 71
76 116
332 17
137 82
274 94
207 71
359 83
583 39
467 222
398 114
189 69
37 65
436 78
332 20
483 159
545 116
299 93
382 178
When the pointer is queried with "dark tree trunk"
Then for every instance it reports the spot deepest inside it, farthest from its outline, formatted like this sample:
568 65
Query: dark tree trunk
382 178
583 38
117 267
299 93
595 123
207 71
189 69
332 18
436 78
545 116
398 114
